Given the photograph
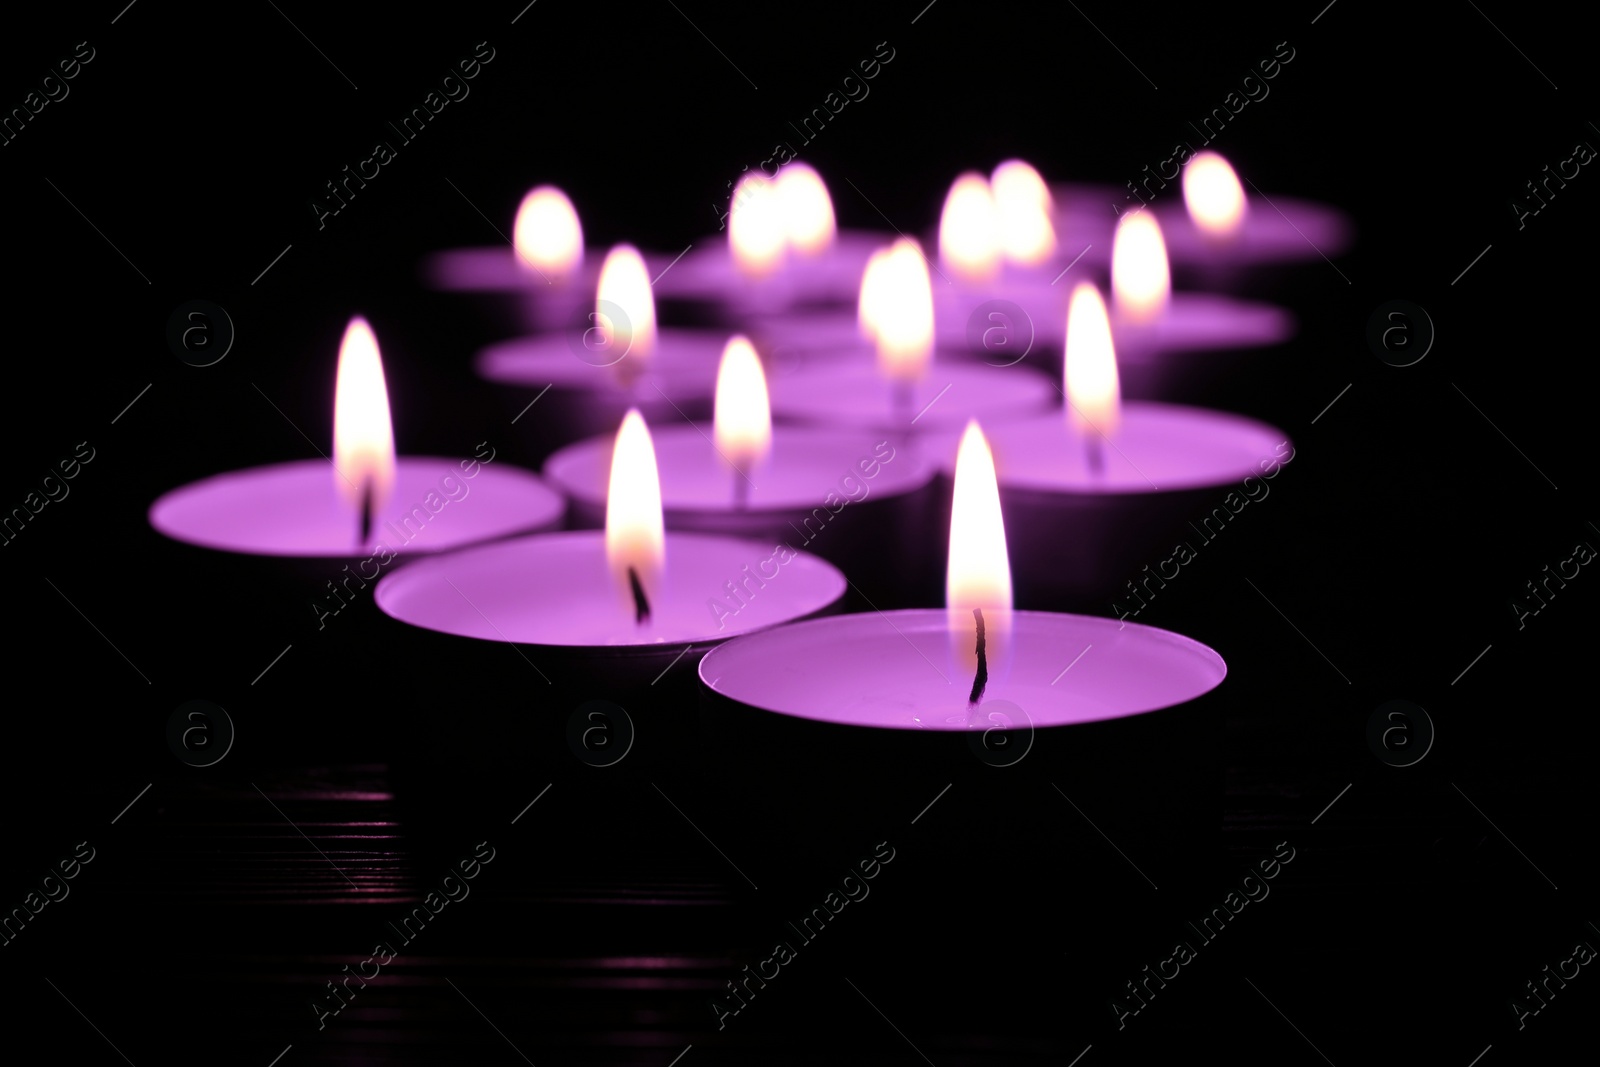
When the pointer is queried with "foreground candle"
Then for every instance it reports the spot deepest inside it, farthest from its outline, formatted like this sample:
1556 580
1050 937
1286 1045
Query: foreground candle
884 669
632 586
366 500
880 670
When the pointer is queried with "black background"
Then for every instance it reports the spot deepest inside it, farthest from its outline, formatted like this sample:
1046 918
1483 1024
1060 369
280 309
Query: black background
194 143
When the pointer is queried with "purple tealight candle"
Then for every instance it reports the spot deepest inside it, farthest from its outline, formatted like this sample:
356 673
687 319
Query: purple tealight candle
783 248
366 501
821 708
860 498
1109 478
1216 224
632 597
619 360
1221 224
543 275
997 244
904 393
1150 322
977 665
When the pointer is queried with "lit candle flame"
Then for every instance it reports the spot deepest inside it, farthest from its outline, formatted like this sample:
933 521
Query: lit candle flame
1213 195
807 209
901 316
743 417
757 234
363 439
978 571
1094 398
635 540
1022 203
870 301
1141 281
969 230
547 236
625 287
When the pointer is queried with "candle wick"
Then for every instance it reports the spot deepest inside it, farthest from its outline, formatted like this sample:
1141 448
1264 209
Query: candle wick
981 679
904 393
366 510
1096 456
641 603
741 488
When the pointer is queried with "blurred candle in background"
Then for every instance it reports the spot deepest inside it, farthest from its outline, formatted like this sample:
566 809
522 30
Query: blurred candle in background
547 236
969 231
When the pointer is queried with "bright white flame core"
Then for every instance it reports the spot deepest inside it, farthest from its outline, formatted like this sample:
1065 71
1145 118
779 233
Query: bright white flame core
363 438
757 234
807 209
978 570
635 531
969 230
625 285
742 422
547 235
1022 202
902 312
1094 398
1141 281
1213 195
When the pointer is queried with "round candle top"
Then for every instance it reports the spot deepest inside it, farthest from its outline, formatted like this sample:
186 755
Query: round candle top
992 329
857 394
1021 313
558 590
809 332
1276 228
295 509
497 269
1283 228
1157 448
804 467
894 670
684 362
1198 321
833 338
991 326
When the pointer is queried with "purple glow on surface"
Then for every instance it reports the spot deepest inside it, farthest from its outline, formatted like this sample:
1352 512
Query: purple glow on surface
1202 321
1159 448
1284 229
1277 228
294 509
892 670
805 465
683 366
558 590
1191 322
955 305
858 395
496 269
709 273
